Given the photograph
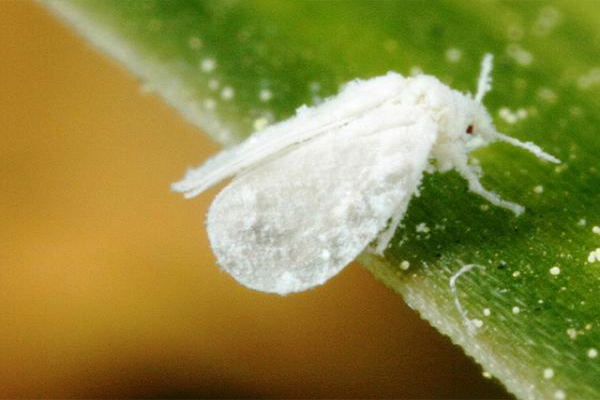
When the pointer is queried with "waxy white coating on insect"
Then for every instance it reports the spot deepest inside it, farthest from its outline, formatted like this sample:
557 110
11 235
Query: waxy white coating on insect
309 194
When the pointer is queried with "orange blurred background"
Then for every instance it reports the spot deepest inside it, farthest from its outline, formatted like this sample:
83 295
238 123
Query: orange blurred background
108 287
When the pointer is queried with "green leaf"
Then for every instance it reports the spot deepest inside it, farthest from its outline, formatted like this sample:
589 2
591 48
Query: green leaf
231 67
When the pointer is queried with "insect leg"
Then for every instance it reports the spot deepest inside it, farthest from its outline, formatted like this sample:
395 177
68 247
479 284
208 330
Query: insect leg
475 186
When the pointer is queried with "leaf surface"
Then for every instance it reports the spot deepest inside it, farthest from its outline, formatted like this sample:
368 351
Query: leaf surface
232 67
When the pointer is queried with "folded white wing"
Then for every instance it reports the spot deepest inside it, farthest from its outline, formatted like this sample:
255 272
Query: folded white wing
293 222
356 99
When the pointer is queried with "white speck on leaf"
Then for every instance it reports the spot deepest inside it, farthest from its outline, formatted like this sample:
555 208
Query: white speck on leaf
227 93
512 117
422 228
560 395
594 255
208 65
265 95
519 54
539 189
547 95
453 54
547 20
210 104
589 79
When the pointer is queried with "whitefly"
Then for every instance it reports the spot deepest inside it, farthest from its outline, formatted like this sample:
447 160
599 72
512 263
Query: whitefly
312 192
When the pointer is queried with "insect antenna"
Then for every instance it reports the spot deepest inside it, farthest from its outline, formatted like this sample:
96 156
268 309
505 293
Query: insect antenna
529 146
484 84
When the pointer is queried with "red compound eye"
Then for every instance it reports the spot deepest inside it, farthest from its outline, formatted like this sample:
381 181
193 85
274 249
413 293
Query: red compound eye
470 129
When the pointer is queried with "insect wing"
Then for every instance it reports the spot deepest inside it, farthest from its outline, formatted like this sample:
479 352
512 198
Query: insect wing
293 222
355 100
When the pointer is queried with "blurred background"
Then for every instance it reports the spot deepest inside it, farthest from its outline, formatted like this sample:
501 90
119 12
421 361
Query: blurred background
108 287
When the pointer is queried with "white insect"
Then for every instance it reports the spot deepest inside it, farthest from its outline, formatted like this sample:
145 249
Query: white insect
309 194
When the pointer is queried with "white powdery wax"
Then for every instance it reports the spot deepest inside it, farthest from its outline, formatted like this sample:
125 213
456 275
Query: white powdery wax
311 193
